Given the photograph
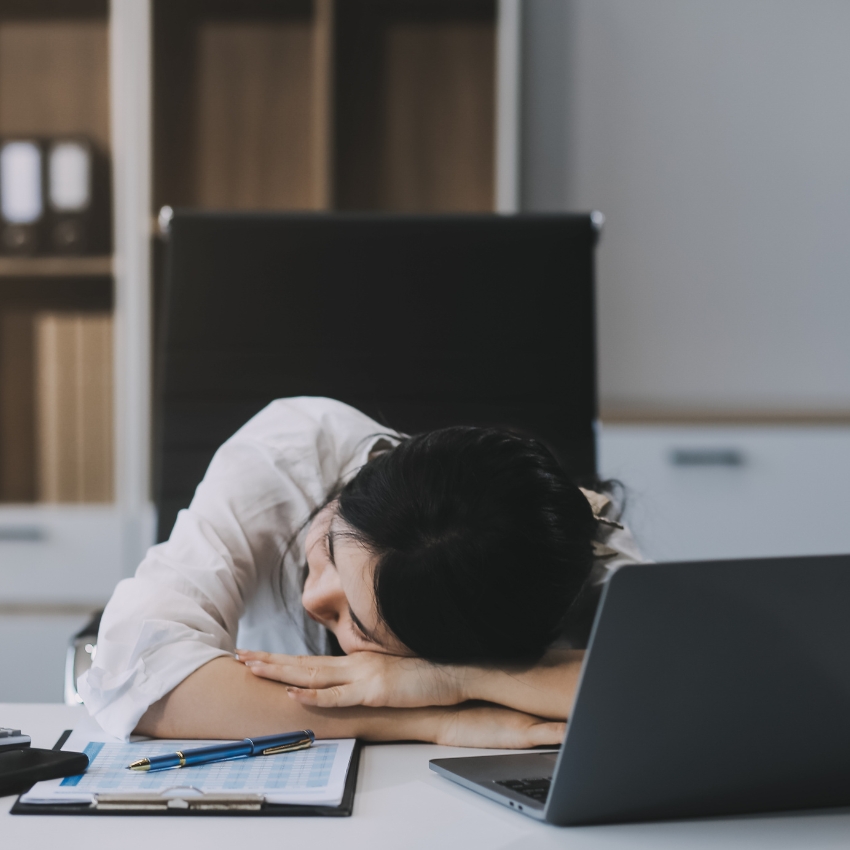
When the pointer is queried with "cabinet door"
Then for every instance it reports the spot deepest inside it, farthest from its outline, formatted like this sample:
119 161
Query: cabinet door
723 492
68 555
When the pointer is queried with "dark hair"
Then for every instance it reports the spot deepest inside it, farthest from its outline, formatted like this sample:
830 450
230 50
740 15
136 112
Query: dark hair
482 543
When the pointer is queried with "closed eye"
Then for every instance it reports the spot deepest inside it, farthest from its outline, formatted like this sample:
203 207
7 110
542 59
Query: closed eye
329 545
364 632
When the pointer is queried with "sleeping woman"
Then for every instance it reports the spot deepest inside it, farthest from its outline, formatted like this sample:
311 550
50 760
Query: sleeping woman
330 575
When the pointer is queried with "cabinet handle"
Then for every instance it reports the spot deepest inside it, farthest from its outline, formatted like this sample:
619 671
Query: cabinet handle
707 457
22 534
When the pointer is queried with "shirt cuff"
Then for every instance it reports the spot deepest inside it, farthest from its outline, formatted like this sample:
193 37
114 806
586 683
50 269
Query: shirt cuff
117 701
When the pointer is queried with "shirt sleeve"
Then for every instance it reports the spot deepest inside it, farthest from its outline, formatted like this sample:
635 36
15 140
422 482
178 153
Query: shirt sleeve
182 608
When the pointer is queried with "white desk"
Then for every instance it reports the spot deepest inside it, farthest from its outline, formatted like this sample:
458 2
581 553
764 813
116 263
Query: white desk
400 804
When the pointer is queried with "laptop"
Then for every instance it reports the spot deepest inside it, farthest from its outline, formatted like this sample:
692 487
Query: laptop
709 688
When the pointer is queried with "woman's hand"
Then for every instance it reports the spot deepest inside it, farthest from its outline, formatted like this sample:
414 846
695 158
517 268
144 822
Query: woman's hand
362 678
379 680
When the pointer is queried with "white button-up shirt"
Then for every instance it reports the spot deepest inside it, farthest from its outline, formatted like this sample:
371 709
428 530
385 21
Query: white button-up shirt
230 574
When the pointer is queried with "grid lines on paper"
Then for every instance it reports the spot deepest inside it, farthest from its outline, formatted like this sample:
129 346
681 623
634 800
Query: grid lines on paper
302 770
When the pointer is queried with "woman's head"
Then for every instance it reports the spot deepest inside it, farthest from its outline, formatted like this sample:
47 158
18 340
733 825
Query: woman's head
464 544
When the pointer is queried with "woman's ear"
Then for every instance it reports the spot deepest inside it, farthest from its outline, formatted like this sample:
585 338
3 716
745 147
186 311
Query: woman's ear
380 447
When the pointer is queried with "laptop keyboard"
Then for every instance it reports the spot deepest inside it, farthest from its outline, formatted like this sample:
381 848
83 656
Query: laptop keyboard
537 789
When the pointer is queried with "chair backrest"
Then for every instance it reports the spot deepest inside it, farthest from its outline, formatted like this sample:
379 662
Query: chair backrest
419 321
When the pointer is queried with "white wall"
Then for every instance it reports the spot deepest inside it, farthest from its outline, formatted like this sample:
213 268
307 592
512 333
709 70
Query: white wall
715 137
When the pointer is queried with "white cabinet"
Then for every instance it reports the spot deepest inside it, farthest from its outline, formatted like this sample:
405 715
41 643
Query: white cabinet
32 654
68 554
697 492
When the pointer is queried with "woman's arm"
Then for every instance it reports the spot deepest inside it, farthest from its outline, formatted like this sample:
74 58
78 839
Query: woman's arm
379 680
183 607
223 699
548 689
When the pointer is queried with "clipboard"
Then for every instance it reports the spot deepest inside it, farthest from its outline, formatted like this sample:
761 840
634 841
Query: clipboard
203 805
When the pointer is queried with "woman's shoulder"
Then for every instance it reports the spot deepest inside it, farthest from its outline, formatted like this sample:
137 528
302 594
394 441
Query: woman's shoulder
308 443
308 418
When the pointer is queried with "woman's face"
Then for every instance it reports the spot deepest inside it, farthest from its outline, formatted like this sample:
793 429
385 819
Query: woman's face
338 592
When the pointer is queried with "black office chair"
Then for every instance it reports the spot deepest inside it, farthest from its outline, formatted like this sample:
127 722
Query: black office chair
418 321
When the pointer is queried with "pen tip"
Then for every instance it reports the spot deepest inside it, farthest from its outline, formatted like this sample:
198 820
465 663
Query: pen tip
141 764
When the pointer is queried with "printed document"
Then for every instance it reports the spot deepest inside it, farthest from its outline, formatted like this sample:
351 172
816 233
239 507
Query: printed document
315 776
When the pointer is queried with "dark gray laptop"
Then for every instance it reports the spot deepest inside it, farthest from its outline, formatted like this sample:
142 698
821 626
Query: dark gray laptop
710 688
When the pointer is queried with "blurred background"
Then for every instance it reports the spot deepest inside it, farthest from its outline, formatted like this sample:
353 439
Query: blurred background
712 134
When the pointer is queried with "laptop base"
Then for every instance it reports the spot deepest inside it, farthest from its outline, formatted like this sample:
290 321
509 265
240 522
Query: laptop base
485 775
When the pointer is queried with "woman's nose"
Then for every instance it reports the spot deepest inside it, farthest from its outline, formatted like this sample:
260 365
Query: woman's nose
323 597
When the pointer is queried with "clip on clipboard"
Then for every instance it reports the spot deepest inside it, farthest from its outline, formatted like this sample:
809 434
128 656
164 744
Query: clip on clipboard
182 800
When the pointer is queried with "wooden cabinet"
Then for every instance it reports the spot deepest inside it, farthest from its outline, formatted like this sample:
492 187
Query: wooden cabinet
396 105
54 79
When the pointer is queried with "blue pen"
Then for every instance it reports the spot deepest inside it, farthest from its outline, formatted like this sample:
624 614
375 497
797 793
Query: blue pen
267 746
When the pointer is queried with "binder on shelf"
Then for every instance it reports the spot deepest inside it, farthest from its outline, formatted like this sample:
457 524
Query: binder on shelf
70 196
21 195
54 197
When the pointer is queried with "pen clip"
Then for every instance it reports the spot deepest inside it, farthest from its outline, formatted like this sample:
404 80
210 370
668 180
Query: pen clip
303 744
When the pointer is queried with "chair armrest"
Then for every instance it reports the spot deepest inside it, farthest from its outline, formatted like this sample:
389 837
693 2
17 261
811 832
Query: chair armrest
79 656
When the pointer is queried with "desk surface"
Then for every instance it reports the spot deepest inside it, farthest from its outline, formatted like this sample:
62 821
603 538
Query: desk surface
400 803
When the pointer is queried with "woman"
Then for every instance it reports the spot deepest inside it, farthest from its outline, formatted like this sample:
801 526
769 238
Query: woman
443 566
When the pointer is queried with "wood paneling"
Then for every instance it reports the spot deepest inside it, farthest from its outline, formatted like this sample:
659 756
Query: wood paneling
243 116
437 133
253 133
415 105
54 78
323 105
17 407
359 104
74 407
56 267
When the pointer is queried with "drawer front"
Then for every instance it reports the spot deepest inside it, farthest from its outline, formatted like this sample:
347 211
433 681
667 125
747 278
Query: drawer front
68 554
725 492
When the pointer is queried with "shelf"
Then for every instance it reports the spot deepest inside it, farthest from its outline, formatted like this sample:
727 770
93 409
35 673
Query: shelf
55 266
